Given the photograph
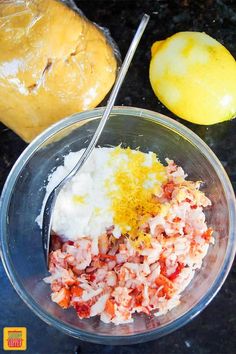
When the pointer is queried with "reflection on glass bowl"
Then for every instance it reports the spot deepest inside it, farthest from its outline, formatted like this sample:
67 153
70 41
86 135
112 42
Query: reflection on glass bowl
23 193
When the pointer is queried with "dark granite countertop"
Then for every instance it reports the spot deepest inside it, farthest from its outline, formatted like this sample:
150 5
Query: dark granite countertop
214 330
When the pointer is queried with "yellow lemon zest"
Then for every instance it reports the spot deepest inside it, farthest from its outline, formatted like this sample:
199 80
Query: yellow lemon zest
164 209
78 198
133 200
142 240
97 210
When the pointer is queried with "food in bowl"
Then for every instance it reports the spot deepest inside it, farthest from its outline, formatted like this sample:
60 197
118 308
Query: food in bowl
53 63
129 234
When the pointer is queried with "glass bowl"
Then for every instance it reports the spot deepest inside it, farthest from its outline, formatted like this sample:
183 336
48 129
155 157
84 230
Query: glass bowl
23 193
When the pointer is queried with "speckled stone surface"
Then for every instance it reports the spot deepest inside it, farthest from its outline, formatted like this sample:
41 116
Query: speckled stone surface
214 330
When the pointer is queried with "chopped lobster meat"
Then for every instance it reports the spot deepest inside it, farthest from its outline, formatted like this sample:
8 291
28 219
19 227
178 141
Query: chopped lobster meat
114 277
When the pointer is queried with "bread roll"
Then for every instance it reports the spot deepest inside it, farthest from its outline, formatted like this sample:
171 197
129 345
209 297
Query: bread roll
53 62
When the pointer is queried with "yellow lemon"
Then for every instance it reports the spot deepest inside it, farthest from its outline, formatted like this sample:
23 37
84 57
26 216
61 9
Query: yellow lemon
194 76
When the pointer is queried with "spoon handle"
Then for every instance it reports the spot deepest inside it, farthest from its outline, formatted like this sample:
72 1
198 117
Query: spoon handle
121 75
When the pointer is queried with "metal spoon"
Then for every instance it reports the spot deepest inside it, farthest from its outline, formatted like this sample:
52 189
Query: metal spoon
50 203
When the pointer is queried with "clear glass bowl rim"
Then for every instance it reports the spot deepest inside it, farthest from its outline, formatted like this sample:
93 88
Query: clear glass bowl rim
158 332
